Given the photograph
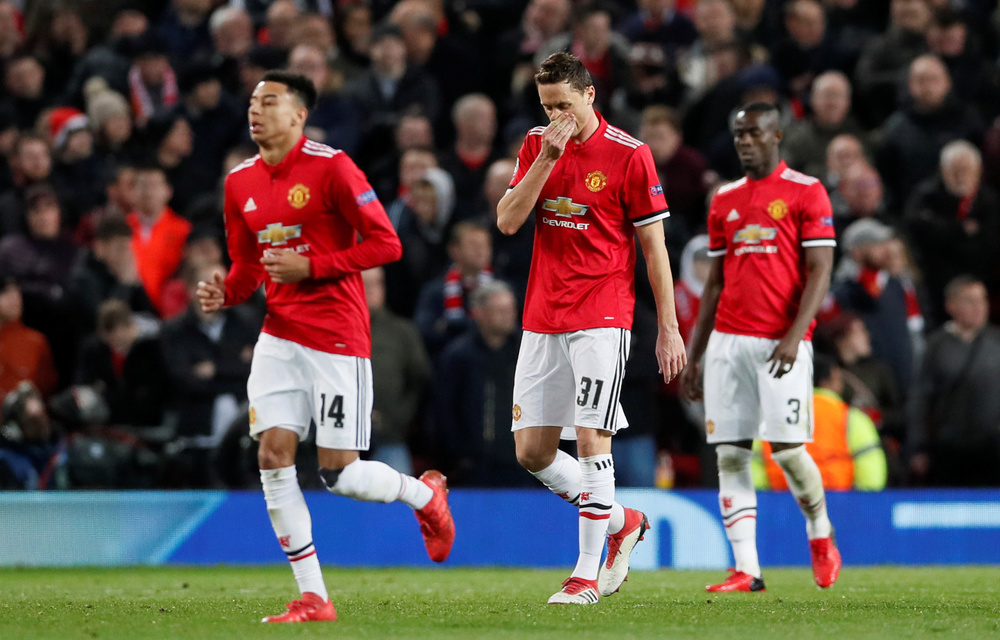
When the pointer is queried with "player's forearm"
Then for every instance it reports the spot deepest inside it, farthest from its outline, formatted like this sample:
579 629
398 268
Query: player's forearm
518 203
706 311
818 270
242 281
376 250
660 277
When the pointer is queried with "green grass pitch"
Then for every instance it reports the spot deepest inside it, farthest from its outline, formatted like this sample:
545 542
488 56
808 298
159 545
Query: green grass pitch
395 604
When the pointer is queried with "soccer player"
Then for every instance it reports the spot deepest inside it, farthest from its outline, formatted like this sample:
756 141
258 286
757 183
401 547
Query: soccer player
293 214
771 241
593 188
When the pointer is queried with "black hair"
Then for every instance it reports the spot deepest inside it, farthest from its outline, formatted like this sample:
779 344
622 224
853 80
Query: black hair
300 85
823 366
762 107
564 67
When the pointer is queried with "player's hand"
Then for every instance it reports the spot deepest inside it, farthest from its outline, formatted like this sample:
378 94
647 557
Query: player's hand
670 354
285 266
212 295
783 357
557 134
692 387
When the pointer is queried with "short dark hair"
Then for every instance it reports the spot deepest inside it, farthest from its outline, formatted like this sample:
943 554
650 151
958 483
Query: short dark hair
564 67
956 284
823 366
298 84
762 107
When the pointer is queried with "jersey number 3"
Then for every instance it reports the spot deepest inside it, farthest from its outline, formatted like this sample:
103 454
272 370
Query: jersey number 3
335 412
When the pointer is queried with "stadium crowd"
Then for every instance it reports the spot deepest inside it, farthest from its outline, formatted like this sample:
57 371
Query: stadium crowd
120 119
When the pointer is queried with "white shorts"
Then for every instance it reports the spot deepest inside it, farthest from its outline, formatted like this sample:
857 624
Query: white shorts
744 401
571 380
291 385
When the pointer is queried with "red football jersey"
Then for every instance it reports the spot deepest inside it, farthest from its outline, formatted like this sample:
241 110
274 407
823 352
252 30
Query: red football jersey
317 202
761 227
583 262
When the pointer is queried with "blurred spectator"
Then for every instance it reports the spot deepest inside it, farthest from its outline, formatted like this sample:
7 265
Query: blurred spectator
475 120
913 136
657 21
203 249
805 144
655 82
59 42
41 260
845 442
171 142
682 171
334 120
127 369
77 173
862 284
707 117
389 89
602 51
183 26
28 440
885 60
859 195
516 49
152 82
421 226
474 384
354 31
955 408
695 265
843 152
279 31
31 164
807 51
24 83
954 223
902 266
414 131
110 117
402 375
24 352
869 383
108 271
439 53
511 253
119 194
232 38
973 77
12 33
158 234
109 60
716 26
442 312
207 356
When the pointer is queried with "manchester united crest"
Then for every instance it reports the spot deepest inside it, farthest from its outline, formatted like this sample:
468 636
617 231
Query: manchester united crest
253 415
516 412
298 196
596 180
710 427
778 209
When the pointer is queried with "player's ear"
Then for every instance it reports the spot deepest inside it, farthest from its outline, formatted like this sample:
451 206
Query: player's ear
591 94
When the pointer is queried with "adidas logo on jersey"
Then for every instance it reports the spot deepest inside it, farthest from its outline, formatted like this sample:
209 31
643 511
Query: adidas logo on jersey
733 215
249 206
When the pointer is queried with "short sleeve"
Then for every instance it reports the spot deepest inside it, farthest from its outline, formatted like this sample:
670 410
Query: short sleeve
526 156
644 199
817 218
716 231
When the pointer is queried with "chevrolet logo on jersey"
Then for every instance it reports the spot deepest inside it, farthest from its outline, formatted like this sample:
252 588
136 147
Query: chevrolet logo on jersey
278 234
754 234
563 206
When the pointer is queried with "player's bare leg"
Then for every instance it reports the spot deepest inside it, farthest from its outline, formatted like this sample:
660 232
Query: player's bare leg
806 484
343 473
738 504
292 525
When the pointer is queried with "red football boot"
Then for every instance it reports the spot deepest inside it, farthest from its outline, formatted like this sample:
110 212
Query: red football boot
825 561
738 581
620 545
435 520
311 608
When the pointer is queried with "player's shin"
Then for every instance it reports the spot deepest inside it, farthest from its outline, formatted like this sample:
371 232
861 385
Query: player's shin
806 484
562 478
597 498
293 527
738 505
372 481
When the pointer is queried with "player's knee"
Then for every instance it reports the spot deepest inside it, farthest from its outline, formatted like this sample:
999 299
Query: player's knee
534 461
269 457
732 459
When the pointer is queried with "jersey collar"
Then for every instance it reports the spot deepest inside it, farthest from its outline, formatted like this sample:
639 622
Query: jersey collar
286 162
602 126
777 172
